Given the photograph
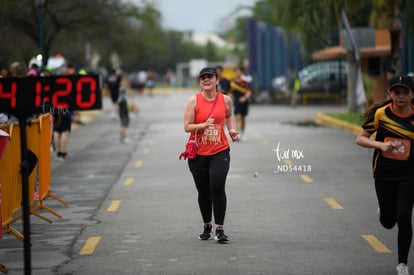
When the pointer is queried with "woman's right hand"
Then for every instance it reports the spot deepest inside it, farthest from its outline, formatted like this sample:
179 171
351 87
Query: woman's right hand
208 122
387 146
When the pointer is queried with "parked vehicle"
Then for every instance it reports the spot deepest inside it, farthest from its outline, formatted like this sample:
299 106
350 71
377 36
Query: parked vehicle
320 77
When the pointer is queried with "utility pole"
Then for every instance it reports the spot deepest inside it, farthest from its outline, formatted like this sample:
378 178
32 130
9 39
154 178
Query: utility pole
39 7
353 59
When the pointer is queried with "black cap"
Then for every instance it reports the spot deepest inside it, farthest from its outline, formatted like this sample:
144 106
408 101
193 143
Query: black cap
207 70
401 80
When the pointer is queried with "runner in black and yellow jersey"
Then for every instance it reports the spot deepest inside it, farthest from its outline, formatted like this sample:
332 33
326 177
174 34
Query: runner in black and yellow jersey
393 162
241 93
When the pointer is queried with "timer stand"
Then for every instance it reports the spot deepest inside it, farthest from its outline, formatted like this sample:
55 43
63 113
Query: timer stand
25 194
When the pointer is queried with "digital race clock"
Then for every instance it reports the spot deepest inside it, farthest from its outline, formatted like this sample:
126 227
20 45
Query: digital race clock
30 95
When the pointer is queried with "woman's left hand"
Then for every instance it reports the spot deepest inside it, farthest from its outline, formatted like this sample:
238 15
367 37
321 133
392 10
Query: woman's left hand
234 135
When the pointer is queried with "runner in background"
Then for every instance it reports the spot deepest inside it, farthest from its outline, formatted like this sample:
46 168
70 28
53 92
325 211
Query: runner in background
113 82
224 84
241 92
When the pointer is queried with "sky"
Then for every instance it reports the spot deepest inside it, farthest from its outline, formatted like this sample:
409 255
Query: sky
199 16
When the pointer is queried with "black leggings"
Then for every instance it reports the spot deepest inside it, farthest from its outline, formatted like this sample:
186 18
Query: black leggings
396 199
210 173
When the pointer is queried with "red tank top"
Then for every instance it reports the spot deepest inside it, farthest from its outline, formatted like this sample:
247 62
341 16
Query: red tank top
213 139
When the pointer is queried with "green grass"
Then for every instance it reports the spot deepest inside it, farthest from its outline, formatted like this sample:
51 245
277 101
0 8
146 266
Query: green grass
354 118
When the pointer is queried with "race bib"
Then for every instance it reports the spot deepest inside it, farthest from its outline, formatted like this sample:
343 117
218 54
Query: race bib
401 150
212 134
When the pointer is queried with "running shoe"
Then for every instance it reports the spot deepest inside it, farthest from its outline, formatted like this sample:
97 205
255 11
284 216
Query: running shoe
206 233
402 269
220 236
60 158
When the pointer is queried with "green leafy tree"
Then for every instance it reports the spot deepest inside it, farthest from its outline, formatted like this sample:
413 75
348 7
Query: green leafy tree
109 25
108 28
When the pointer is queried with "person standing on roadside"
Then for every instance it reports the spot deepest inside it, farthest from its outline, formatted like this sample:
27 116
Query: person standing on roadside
292 80
113 83
150 83
206 116
4 72
62 126
393 162
123 114
18 69
141 81
34 70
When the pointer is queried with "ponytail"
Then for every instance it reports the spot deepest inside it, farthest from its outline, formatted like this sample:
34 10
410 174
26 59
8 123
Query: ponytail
371 110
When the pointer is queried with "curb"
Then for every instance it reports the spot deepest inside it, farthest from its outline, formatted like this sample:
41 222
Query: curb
326 120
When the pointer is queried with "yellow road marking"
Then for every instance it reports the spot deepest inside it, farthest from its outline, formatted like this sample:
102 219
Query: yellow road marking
139 163
306 178
146 151
287 161
128 181
114 206
90 246
333 203
376 244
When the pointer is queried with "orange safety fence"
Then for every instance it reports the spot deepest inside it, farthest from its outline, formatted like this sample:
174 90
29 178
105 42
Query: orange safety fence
38 141
44 170
10 178
4 138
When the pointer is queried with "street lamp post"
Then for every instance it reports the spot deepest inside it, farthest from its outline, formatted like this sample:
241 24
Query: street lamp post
39 7
25 188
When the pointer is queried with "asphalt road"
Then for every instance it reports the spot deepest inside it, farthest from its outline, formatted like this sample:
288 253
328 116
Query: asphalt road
300 200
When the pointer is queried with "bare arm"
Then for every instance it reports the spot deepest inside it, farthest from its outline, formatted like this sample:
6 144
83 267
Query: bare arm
246 96
229 118
189 125
363 139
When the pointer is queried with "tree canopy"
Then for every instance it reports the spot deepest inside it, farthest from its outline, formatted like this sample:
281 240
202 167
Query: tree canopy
118 30
111 29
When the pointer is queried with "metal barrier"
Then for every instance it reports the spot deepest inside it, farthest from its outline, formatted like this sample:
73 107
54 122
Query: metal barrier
11 180
38 133
4 138
44 170
3 142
